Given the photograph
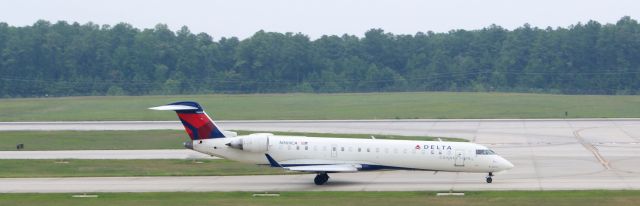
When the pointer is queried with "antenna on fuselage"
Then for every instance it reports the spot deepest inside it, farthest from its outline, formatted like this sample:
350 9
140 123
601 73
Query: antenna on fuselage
440 140
372 137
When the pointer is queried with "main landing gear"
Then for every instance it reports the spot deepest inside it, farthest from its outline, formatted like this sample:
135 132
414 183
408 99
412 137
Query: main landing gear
321 178
489 179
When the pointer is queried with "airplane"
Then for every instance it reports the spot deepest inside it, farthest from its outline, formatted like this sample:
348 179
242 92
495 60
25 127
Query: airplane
322 155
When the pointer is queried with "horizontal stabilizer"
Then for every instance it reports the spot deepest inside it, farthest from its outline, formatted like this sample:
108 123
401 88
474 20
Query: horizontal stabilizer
174 107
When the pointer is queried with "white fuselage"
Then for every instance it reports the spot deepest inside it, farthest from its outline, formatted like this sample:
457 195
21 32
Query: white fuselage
372 154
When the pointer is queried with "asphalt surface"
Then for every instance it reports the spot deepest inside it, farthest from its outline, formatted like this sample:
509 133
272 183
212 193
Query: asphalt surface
547 154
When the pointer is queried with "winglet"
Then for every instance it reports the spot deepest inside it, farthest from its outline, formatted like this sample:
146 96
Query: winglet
272 162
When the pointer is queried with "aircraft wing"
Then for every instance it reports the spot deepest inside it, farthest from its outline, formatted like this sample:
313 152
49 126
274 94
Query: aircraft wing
325 168
316 168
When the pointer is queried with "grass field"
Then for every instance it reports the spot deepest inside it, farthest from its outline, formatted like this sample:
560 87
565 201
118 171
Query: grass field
126 168
523 198
92 140
327 106
145 139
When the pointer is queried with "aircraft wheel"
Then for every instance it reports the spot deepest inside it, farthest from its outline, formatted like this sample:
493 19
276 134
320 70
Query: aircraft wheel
489 179
321 179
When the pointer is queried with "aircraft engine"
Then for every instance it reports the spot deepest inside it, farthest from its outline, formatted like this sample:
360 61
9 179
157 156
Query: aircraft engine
251 143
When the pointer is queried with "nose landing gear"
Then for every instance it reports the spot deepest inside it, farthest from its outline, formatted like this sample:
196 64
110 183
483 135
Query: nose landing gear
489 179
321 178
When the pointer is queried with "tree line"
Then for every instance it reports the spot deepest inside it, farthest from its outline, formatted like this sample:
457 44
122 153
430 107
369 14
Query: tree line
70 59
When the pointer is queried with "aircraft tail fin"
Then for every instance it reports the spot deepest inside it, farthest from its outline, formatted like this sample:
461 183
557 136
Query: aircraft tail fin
196 122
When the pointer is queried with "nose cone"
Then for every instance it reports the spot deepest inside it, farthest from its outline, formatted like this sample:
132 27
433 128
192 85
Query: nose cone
504 164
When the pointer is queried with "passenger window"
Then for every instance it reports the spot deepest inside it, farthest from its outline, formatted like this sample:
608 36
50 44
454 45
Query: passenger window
306 147
377 150
358 149
315 148
367 149
297 147
395 150
342 149
350 149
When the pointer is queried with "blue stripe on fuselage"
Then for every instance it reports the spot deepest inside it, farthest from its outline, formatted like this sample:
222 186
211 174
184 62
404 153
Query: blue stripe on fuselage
365 167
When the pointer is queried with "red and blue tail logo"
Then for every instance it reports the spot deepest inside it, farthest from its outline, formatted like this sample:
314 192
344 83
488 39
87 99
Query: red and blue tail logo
195 120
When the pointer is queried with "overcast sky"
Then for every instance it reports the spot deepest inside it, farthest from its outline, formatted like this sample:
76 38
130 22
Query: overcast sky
242 18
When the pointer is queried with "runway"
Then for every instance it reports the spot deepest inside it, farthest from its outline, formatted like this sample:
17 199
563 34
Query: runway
368 181
548 155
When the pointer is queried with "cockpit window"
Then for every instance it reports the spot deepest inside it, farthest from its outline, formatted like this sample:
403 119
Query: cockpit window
485 152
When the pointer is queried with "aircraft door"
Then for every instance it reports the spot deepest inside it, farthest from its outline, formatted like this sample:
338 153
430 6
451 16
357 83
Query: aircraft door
459 158
334 151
